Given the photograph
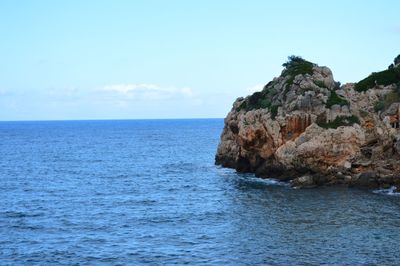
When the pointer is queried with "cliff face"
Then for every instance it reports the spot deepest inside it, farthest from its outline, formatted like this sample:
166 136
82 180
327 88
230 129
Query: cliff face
306 128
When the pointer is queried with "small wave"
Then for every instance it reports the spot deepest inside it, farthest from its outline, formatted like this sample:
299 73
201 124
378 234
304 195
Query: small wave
263 181
19 214
29 227
387 191
275 182
251 178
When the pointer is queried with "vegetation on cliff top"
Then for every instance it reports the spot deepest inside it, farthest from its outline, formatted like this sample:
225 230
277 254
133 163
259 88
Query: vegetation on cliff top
260 100
295 66
264 99
396 61
385 77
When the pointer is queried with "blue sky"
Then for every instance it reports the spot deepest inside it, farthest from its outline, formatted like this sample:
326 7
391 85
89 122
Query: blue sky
176 59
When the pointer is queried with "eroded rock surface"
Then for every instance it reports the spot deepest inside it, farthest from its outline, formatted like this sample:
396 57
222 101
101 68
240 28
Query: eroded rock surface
306 128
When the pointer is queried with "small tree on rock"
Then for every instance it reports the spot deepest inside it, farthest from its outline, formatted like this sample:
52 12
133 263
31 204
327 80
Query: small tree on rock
397 60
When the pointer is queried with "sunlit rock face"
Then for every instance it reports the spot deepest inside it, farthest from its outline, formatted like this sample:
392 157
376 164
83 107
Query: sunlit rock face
304 126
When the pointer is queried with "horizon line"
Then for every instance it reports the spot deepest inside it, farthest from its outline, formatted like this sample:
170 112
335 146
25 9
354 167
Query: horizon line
110 119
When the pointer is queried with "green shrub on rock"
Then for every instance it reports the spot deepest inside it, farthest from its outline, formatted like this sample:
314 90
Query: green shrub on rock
274 111
320 83
379 106
397 60
387 100
340 121
295 66
335 99
385 77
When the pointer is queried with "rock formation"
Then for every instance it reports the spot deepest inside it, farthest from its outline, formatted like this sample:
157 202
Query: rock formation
305 128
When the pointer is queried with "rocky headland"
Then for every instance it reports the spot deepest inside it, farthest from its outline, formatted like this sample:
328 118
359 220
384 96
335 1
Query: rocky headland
309 130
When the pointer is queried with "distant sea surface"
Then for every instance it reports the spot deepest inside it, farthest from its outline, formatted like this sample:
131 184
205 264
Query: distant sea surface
147 192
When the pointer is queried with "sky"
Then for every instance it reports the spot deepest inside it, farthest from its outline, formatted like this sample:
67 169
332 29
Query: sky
145 59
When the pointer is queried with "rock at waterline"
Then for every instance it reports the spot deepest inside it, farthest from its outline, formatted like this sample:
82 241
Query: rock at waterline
305 127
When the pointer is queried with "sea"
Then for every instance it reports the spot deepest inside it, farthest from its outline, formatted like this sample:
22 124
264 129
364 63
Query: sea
147 192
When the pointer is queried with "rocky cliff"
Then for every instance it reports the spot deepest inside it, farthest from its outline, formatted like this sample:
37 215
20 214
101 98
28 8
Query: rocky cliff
304 127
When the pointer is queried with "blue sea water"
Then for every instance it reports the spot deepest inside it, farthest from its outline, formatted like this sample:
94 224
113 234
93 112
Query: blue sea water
147 192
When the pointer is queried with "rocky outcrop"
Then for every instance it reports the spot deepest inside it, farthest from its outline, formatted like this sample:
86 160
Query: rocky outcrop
305 128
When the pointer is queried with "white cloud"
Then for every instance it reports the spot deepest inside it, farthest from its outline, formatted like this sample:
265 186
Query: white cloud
148 91
257 87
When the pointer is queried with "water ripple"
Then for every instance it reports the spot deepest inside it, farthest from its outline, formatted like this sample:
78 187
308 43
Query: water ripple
147 192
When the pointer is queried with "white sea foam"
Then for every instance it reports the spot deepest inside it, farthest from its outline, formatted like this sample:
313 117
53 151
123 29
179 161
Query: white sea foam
387 191
268 181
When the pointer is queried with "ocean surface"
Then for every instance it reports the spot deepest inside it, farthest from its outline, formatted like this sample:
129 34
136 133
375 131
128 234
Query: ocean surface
147 192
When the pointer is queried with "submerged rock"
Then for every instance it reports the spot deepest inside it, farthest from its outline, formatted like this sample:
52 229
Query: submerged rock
305 181
304 127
